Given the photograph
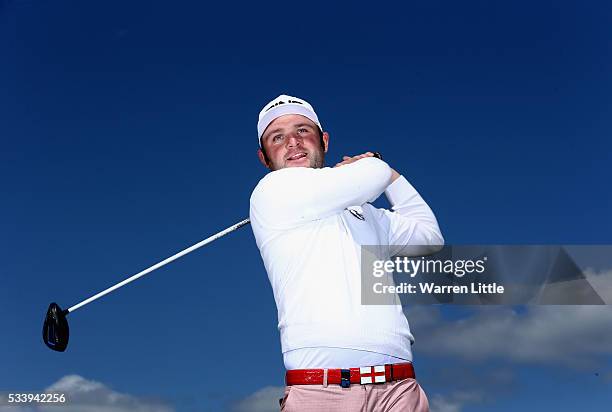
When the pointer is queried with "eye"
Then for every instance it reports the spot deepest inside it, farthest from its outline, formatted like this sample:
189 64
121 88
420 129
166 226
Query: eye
302 130
277 138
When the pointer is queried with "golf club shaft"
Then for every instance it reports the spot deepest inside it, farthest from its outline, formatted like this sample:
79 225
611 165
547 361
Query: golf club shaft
160 264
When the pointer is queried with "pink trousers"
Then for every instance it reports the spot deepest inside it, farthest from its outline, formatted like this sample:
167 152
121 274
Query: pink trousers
405 395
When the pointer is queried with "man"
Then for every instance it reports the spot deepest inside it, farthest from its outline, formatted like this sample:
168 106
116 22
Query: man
309 222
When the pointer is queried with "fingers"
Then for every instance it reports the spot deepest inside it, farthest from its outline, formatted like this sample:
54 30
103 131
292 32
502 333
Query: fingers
348 159
361 156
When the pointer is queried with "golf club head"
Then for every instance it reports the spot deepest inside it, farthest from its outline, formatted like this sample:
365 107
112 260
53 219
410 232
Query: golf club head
55 328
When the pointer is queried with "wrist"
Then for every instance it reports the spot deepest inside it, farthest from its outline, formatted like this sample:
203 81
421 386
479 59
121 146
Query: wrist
394 176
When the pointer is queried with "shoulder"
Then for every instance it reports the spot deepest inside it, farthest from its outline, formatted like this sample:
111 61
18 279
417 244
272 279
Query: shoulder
284 182
271 188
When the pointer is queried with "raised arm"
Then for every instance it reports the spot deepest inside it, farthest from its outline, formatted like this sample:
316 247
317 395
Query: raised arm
293 196
413 227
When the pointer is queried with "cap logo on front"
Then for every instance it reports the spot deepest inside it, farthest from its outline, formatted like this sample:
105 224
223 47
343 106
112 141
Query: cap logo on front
281 102
281 106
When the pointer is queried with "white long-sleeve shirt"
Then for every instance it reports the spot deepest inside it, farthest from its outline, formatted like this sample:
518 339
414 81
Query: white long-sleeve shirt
309 225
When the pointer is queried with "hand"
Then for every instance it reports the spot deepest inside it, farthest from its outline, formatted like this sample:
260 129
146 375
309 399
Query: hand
394 176
348 160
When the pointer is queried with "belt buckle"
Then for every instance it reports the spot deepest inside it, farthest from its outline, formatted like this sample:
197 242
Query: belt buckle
372 374
345 378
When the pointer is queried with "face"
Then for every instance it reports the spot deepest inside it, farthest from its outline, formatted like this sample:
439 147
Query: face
293 140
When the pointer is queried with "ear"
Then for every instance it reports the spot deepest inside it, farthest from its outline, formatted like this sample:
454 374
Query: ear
262 158
325 141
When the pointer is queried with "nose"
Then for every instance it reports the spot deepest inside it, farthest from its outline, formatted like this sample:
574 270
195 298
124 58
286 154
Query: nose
294 140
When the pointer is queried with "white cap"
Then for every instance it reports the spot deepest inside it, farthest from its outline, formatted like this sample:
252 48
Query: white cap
283 105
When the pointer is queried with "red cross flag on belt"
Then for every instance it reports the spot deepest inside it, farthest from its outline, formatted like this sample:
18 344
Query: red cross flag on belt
372 374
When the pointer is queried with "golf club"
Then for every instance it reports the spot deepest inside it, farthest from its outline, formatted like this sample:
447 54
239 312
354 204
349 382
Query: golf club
55 327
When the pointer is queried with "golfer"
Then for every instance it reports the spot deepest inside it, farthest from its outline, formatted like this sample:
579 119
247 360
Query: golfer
309 222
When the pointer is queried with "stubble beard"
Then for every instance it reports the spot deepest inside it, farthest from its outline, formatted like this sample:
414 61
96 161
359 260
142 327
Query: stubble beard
317 161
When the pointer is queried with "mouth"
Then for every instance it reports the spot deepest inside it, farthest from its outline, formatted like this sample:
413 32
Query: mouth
297 156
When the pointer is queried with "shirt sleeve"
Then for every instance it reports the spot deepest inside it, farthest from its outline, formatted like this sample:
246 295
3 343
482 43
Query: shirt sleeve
413 227
289 197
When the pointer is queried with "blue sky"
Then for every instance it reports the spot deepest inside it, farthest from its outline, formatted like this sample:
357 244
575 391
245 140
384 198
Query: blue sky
128 133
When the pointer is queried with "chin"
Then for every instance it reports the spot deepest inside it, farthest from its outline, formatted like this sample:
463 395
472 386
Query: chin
305 162
297 165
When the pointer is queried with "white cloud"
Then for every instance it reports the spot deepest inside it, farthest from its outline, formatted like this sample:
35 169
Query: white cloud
264 400
440 404
601 282
569 335
453 402
84 395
